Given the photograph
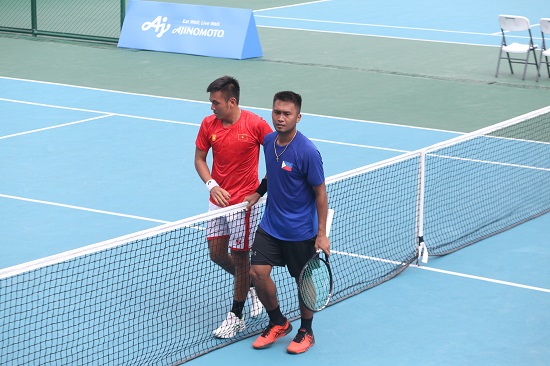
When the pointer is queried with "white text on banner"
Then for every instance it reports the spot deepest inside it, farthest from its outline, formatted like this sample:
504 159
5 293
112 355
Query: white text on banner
191 29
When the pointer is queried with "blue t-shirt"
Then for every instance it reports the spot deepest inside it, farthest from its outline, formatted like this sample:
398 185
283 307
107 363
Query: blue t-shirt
291 210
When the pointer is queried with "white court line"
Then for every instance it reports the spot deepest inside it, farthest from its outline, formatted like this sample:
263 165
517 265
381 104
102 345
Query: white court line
293 5
357 145
458 274
110 114
493 34
531 27
366 257
102 90
377 36
52 127
491 162
479 278
158 120
83 208
190 101
376 25
382 123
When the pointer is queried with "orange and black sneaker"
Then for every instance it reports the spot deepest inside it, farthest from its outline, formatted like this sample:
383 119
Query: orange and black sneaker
271 333
302 342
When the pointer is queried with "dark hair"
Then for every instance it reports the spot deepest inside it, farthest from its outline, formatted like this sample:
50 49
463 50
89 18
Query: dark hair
289 96
229 86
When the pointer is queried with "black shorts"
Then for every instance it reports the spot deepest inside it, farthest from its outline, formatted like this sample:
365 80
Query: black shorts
276 252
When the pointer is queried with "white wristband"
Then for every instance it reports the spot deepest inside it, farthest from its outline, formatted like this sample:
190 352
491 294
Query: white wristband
211 183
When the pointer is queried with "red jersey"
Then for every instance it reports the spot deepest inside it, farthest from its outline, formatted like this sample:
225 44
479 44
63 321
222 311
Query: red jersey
236 152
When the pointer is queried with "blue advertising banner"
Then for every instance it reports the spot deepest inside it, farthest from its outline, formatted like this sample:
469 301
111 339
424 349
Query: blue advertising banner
191 29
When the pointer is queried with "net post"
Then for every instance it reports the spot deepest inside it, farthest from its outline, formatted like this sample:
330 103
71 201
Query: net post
422 250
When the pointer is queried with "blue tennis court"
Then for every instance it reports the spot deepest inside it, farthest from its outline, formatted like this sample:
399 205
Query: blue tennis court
421 20
109 164
83 164
83 170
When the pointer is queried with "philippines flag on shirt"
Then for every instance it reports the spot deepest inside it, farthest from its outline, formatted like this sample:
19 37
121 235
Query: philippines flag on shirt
287 166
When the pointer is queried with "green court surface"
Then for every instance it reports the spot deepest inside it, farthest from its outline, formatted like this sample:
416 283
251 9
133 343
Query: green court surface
417 83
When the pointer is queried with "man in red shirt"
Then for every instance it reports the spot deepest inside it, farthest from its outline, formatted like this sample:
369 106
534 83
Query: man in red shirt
235 137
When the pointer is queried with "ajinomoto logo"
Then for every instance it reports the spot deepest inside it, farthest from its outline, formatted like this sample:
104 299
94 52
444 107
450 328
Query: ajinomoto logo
189 28
159 25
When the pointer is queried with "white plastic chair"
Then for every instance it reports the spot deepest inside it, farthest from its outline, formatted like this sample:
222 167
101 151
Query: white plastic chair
545 49
512 25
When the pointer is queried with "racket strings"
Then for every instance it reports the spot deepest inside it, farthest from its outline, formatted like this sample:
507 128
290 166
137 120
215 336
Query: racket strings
316 286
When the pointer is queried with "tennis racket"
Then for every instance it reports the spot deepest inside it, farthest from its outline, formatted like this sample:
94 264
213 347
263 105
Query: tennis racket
315 280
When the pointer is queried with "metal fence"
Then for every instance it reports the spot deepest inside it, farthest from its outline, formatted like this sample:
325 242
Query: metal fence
97 20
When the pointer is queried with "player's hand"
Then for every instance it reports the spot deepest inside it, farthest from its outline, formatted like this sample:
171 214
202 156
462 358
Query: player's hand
252 199
323 243
220 196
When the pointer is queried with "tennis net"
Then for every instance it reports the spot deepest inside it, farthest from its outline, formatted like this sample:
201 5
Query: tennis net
486 182
154 297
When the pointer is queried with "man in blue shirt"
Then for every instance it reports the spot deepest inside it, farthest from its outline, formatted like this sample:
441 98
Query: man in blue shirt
293 227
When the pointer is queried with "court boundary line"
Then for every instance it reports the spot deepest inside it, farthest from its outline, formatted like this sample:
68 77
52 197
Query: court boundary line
489 162
379 26
204 102
81 208
377 36
293 5
111 114
494 34
54 127
444 271
361 146
481 278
